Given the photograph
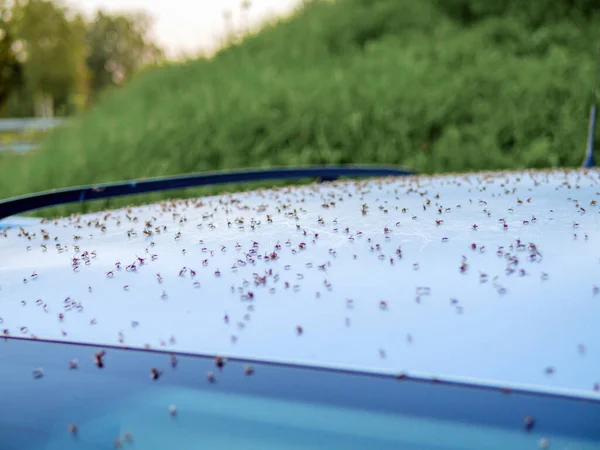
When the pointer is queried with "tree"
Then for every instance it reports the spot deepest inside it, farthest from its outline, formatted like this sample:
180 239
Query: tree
52 50
51 59
118 46
10 68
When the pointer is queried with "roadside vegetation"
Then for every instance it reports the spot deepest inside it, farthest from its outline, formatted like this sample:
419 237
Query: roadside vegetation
431 85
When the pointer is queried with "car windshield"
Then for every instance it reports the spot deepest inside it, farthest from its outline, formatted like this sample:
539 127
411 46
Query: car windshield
66 396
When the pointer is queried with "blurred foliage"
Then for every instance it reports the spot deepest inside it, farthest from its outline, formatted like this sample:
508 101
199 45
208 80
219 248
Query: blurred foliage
535 13
10 69
432 85
53 61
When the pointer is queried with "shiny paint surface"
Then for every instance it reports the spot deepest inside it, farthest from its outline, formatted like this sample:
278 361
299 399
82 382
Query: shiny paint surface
270 406
490 278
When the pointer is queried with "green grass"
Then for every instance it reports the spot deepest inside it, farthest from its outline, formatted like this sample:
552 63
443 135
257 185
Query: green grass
9 137
433 85
27 135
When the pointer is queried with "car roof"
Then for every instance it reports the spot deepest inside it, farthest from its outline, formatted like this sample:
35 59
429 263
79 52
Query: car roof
488 277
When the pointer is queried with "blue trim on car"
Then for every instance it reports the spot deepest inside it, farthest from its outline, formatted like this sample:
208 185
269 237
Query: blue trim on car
18 205
588 162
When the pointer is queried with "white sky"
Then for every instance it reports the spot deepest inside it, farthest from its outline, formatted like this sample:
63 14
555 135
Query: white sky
189 26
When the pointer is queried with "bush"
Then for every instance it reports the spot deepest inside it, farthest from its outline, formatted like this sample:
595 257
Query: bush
389 82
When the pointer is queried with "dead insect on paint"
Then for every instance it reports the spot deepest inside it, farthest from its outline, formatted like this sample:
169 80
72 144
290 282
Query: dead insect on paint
72 429
529 423
220 362
99 358
544 443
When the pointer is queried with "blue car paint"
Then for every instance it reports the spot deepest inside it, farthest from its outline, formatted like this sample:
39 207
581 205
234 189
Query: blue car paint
273 407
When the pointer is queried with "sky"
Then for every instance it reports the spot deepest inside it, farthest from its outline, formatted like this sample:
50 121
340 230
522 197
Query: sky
189 26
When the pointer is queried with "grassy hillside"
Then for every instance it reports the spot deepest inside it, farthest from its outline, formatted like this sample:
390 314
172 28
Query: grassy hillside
433 85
